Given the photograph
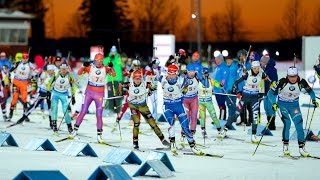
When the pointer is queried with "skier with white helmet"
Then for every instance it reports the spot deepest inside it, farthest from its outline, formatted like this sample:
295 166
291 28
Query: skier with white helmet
287 92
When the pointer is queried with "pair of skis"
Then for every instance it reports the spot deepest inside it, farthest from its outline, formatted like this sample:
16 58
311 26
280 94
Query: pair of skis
100 143
298 157
243 140
174 153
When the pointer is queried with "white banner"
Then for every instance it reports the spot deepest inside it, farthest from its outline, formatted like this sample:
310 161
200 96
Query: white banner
165 46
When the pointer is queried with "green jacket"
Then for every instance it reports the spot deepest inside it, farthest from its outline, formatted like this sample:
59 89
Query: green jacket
117 66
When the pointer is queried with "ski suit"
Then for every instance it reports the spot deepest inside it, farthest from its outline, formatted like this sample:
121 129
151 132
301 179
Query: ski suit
59 86
287 96
249 96
137 96
221 74
191 103
205 89
172 99
94 92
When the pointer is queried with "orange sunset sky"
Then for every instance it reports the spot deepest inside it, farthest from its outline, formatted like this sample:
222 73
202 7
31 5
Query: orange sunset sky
260 16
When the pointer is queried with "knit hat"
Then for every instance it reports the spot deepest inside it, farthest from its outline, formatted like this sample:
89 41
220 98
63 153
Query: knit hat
265 58
51 67
255 64
113 49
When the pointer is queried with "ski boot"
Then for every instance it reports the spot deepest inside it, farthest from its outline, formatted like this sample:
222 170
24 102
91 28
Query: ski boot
135 143
55 129
99 136
194 149
74 133
5 117
303 151
22 119
165 142
254 139
193 132
222 134
286 151
51 124
182 138
204 132
70 128
10 115
27 119
173 147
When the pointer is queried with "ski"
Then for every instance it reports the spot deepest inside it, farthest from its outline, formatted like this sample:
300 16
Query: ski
204 154
14 124
242 140
310 156
290 157
183 145
106 144
263 144
173 152
64 139
138 149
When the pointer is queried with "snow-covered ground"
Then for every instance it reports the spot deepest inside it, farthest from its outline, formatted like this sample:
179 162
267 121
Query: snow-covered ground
237 163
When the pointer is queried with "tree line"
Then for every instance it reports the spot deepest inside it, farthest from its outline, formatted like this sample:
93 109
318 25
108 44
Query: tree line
138 20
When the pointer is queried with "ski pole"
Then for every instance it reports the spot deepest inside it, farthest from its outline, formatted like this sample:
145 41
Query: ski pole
263 132
119 131
310 123
310 97
64 114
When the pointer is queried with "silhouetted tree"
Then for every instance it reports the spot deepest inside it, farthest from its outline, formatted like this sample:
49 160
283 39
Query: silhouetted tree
154 17
316 21
105 20
293 21
74 27
228 26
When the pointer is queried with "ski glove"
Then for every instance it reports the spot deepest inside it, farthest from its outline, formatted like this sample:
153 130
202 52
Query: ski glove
73 100
315 103
184 90
234 90
239 96
110 64
275 107
86 63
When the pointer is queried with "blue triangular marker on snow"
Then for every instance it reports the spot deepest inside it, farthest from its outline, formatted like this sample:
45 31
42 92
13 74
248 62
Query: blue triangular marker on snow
8 139
294 135
40 174
75 148
36 143
161 118
260 130
157 166
223 123
120 155
163 157
112 172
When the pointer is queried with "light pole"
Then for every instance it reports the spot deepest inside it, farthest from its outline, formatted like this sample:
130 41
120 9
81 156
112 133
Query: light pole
199 27
195 12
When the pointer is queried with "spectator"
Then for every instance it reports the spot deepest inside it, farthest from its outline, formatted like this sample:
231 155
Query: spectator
196 61
113 82
4 61
268 65
221 74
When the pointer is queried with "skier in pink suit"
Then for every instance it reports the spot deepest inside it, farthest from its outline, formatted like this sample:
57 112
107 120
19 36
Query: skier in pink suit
94 91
